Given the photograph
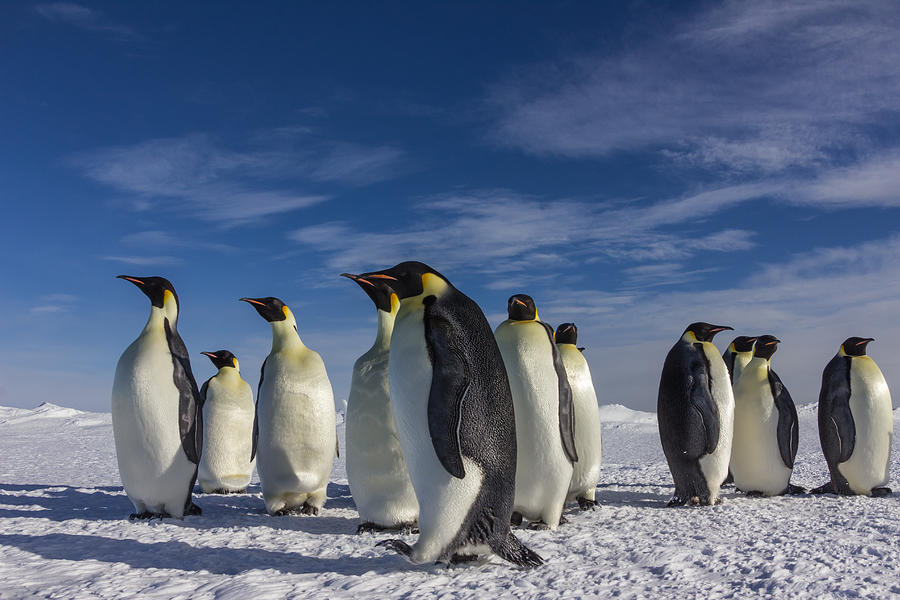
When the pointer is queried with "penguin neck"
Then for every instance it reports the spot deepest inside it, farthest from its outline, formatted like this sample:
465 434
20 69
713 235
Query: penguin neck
760 362
384 330
432 285
157 318
229 373
285 335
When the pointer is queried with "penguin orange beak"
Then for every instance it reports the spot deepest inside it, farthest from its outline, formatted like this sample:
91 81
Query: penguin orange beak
382 276
865 341
719 328
133 280
357 279
251 301
209 354
517 301
773 342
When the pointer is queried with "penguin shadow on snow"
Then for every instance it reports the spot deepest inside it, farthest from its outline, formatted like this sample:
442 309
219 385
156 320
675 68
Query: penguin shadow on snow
64 502
618 494
186 557
248 510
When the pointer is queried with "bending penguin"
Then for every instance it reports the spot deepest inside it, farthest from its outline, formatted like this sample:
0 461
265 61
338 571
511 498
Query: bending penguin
454 415
586 474
545 415
295 419
376 470
228 412
765 427
856 425
695 410
739 353
155 411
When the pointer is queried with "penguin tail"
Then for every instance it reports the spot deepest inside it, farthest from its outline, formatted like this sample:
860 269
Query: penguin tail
514 551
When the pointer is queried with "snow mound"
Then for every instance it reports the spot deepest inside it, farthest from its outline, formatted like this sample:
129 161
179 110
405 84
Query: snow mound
808 409
48 410
616 413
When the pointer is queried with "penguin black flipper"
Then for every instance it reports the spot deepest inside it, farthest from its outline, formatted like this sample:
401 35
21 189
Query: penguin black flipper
449 383
787 433
566 404
729 357
189 414
262 373
203 389
702 402
837 430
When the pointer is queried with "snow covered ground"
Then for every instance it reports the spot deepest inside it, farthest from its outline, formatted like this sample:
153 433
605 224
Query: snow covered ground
64 533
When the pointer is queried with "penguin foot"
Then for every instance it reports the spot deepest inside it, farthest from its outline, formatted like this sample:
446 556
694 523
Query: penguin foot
309 509
794 490
677 501
585 504
881 492
409 528
398 546
563 520
755 494
463 558
148 516
516 519
193 509
538 526
826 488
287 510
224 491
404 528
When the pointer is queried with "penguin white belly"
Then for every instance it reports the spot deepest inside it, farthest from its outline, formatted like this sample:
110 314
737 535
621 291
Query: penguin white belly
543 471
756 462
586 472
444 501
227 435
870 405
296 445
714 466
377 473
155 472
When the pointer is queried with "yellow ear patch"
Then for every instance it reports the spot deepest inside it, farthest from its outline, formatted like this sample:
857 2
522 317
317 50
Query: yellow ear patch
234 362
432 284
286 311
395 303
167 295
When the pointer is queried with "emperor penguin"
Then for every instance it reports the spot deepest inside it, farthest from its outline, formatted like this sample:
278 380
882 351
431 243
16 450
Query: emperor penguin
454 415
228 413
765 427
295 418
545 415
695 410
739 353
856 425
376 471
155 411
586 473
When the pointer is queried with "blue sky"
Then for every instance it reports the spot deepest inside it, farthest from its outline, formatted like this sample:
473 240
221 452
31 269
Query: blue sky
633 167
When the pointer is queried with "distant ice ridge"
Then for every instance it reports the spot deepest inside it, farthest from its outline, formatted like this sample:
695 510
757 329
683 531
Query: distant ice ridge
617 413
47 410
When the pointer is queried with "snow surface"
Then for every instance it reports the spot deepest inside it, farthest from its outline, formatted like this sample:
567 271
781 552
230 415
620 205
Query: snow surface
64 533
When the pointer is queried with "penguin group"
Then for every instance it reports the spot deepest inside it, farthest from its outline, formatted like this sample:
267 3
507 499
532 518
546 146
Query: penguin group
731 419
459 432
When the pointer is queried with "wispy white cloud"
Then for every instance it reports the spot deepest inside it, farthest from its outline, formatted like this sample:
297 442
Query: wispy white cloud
85 18
53 303
164 239
754 87
198 177
145 260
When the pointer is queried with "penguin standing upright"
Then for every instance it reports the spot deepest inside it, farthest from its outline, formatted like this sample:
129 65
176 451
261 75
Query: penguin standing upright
765 427
295 418
545 427
695 410
155 411
856 424
376 470
586 473
454 415
739 353
226 401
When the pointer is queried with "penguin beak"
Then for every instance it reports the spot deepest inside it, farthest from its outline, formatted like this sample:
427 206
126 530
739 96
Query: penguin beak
133 280
865 341
773 342
358 279
382 276
209 354
517 301
719 328
252 301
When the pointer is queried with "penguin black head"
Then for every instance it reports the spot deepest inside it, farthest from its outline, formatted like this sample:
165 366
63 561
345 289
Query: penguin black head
704 332
377 289
567 333
856 346
521 308
222 358
406 278
743 343
270 308
766 345
154 287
